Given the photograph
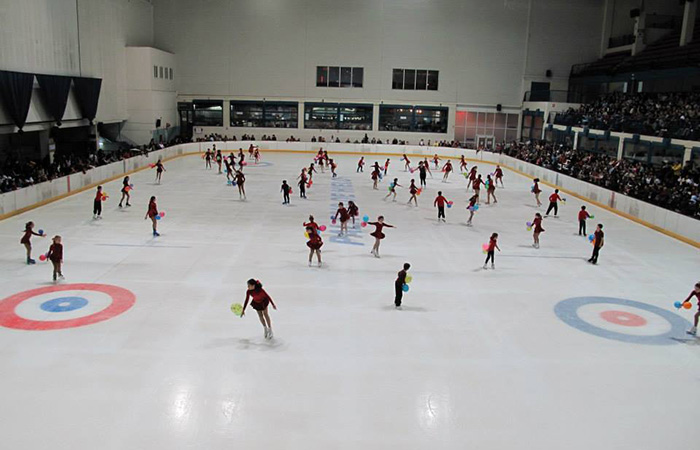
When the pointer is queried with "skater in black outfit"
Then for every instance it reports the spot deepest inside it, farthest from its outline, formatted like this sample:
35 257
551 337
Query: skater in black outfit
398 285
598 242
286 189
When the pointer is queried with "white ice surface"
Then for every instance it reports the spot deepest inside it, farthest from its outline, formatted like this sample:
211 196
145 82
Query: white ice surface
476 359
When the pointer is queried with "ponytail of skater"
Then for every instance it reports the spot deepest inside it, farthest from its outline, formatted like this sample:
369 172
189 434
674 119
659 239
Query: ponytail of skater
257 285
28 225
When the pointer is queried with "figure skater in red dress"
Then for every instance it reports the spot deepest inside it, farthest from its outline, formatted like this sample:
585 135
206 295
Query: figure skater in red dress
462 164
344 217
476 185
537 225
499 175
361 165
392 188
259 300
536 190
353 210
160 168
440 202
152 213
694 293
55 255
407 163
378 235
436 161
413 190
314 243
447 168
240 182
26 240
490 190
473 201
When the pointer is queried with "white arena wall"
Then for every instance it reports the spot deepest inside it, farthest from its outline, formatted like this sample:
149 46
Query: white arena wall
668 222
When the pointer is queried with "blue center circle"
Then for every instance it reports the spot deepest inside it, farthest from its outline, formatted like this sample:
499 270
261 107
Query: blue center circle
64 304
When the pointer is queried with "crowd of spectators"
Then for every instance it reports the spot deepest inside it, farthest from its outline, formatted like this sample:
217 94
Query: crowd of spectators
674 115
671 186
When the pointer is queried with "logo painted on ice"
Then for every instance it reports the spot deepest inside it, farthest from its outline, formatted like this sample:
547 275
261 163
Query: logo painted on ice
343 191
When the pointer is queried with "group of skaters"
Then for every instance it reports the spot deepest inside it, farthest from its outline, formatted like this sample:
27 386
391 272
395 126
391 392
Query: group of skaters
234 165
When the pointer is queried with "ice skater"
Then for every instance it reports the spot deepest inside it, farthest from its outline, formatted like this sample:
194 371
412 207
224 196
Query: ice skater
436 161
240 182
152 213
310 172
407 163
375 178
440 202
256 154
207 159
598 242
361 165
537 225
476 186
125 192
582 216
553 205
302 183
55 255
536 190
499 174
333 166
229 170
472 175
344 217
259 301
490 252
422 171
398 285
694 293
160 168
462 164
285 190
413 190
219 160
392 188
314 243
447 168
490 190
27 240
353 210
97 203
473 201
386 166
426 164
377 234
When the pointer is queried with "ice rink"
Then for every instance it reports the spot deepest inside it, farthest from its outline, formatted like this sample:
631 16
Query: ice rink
545 352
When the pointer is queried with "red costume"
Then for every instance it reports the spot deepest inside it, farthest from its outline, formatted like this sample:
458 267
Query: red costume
378 231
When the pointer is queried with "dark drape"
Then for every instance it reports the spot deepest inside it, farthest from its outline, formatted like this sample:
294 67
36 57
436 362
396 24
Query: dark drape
87 93
16 95
55 91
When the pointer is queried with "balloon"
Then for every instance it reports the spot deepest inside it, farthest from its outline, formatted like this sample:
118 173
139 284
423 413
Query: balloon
529 228
244 163
405 288
476 207
592 217
233 183
162 214
528 224
485 246
449 205
131 186
158 217
41 232
365 218
332 217
687 305
43 258
306 234
409 279
237 309
591 237
228 182
363 224
333 222
152 165
677 305
322 228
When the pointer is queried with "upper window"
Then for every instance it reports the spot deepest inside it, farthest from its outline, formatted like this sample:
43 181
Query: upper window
415 79
155 71
208 113
171 73
339 76
264 114
161 72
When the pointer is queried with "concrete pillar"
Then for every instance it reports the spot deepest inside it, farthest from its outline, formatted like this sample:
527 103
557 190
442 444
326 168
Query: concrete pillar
688 154
688 22
620 148
639 31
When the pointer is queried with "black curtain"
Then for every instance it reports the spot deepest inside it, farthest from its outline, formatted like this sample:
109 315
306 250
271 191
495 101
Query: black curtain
16 95
87 93
55 91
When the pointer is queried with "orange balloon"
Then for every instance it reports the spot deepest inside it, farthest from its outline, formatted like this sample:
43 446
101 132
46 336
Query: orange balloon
687 305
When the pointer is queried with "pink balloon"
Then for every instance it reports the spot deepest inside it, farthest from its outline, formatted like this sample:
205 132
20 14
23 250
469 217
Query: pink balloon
322 228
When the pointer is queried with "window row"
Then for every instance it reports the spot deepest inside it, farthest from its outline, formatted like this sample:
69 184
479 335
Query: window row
334 116
415 79
163 72
343 77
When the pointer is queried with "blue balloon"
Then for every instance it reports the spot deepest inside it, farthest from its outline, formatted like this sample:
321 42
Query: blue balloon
449 205
476 207
405 287
678 305
228 182
41 231
365 218
158 217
